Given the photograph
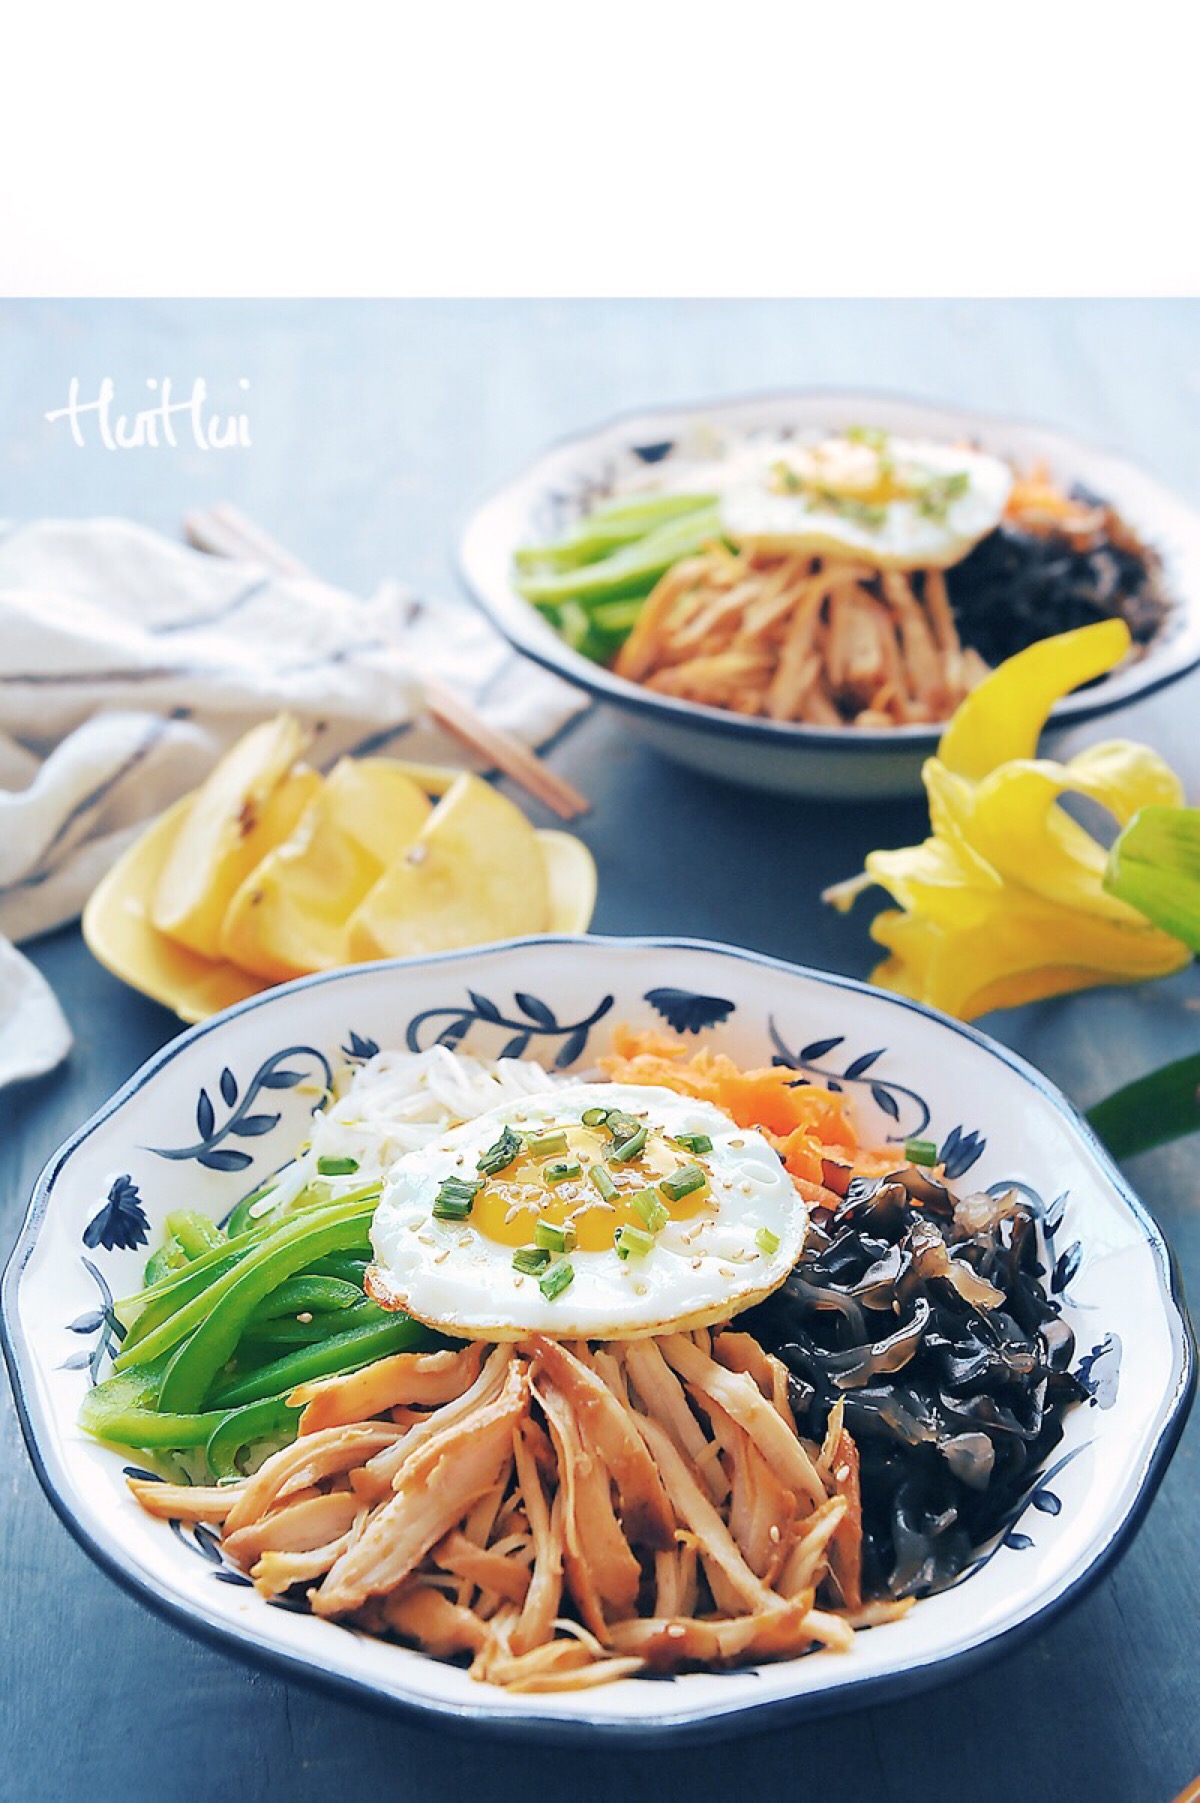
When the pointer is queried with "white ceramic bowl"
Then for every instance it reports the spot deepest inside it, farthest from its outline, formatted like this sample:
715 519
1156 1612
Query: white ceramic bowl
225 1103
847 762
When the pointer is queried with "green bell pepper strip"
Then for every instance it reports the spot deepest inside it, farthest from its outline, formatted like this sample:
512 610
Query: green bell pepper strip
182 1305
290 1332
631 569
265 1420
308 1295
195 1232
240 1219
349 1266
164 1263
211 1325
166 1298
184 1279
607 529
122 1409
329 1357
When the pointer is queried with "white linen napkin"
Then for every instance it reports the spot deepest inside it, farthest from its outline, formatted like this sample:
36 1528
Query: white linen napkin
129 663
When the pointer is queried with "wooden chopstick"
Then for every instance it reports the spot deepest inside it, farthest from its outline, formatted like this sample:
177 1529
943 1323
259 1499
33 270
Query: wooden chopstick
225 532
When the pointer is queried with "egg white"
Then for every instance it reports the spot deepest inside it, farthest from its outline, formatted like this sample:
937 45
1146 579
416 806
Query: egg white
752 509
702 1269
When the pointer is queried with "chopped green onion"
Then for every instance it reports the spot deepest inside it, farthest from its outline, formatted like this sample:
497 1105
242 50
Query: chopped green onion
501 1155
631 1242
647 1204
543 1144
556 1280
687 1178
561 1173
920 1151
337 1167
452 1208
531 1260
766 1241
695 1143
602 1182
455 1198
628 1149
555 1236
595 1117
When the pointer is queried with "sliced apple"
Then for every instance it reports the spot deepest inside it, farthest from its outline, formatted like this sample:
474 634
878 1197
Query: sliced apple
290 913
249 802
475 872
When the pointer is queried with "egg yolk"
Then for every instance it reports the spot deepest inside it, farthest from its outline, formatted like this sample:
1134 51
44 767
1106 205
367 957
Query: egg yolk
510 1203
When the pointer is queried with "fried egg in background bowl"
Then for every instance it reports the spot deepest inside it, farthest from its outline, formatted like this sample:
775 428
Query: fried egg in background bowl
572 1239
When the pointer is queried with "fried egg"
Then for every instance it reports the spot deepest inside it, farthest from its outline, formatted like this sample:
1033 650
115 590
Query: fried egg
895 503
596 1211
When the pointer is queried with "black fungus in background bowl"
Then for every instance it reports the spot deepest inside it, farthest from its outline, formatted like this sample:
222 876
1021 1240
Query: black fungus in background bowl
1016 586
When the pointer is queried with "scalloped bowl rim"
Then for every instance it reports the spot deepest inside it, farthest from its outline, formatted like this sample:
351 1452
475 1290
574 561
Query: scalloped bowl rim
1167 659
530 1721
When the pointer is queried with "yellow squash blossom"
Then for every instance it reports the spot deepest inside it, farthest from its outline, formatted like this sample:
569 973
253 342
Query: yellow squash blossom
1004 903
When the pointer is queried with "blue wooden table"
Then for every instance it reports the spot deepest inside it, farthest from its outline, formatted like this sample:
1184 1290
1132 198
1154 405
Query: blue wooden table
373 427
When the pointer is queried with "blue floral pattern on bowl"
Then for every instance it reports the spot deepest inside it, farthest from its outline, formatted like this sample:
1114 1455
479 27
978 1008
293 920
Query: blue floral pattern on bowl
247 1083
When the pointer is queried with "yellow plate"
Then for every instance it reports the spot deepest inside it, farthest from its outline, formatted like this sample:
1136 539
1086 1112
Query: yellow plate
116 923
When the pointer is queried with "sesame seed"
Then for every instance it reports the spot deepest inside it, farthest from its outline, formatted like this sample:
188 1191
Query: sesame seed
773 1534
640 1289
305 1318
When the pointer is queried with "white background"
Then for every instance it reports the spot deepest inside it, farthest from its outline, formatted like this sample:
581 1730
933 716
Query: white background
658 147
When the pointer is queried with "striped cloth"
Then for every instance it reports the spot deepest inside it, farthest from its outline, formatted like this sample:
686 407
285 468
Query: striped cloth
129 663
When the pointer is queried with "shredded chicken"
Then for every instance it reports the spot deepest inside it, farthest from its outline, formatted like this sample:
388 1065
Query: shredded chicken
827 641
563 1515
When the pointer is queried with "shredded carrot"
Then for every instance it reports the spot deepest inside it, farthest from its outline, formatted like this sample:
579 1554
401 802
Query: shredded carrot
1037 504
804 1122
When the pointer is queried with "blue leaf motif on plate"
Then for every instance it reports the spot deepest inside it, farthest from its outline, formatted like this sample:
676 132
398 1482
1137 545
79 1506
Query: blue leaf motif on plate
536 1009
121 1224
896 1101
206 1115
688 1012
1066 1267
253 1126
224 1158
359 1049
654 453
960 1151
91 1322
276 1072
529 1020
102 1322
1100 1371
